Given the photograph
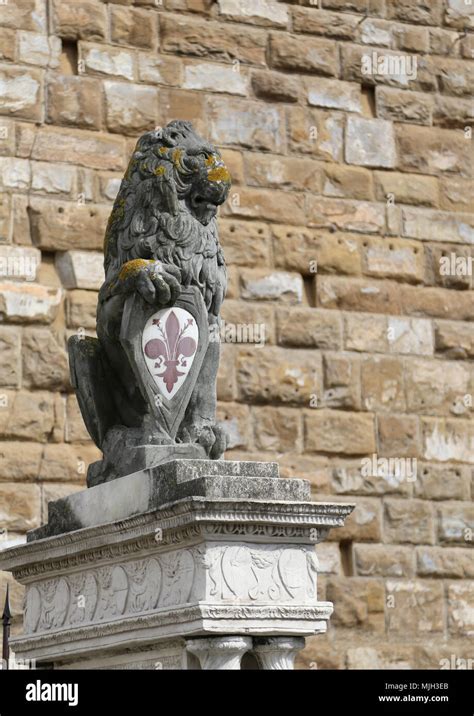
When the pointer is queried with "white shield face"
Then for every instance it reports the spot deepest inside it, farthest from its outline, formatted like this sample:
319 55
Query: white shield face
169 343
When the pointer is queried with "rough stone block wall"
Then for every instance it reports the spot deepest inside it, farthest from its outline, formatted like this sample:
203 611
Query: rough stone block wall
349 236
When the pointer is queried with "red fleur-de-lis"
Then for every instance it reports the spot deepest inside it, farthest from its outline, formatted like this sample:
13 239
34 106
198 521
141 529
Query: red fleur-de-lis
173 345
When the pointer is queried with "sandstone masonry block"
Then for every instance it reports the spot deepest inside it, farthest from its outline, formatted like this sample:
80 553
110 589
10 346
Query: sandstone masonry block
28 302
81 269
188 36
60 225
81 307
133 26
20 506
79 19
411 522
322 329
384 561
414 607
370 142
45 362
334 431
21 90
74 101
278 429
259 284
277 375
289 52
258 12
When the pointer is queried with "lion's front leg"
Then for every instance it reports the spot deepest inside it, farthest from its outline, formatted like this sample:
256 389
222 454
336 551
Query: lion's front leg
199 424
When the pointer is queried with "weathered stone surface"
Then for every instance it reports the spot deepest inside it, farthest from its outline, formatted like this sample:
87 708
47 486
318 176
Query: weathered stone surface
393 259
74 101
460 610
360 603
28 303
407 188
365 332
259 12
321 329
27 15
275 86
415 606
130 109
278 429
454 339
343 95
353 294
305 54
107 61
341 381
81 307
261 285
21 91
399 435
456 524
277 172
411 522
10 362
334 214
440 482
20 506
384 561
316 133
311 252
236 421
445 440
159 70
402 106
37 49
290 376
335 431
83 19
215 78
266 205
28 416
44 360
133 26
67 463
330 24
246 124
347 182
370 142
432 151
98 151
80 269
365 522
184 36
53 178
444 562
59 225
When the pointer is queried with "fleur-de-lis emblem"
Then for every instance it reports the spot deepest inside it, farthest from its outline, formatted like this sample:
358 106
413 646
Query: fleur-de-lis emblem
171 349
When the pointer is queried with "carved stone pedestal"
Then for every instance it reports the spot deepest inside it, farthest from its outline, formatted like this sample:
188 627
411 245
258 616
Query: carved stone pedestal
192 564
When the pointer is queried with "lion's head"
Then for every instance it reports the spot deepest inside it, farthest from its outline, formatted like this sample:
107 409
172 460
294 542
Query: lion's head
173 171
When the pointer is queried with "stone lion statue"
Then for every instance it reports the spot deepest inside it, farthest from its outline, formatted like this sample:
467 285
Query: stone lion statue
161 243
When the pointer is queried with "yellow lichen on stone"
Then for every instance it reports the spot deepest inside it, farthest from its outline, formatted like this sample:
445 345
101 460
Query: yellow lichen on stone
177 154
133 267
219 174
163 150
159 171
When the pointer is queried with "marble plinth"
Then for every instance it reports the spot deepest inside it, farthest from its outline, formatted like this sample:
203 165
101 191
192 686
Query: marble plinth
191 564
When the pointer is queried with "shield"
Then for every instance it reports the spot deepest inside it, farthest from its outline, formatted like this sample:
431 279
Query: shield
166 347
